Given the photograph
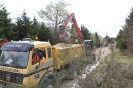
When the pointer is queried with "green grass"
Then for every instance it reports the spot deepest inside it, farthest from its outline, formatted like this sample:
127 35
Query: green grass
115 71
82 62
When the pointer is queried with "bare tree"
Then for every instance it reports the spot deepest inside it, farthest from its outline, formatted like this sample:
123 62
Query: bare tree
53 14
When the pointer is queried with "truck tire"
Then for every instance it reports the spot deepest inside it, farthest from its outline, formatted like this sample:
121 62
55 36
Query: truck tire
71 72
48 81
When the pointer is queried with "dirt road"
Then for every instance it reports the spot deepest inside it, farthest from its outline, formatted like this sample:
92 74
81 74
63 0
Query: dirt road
100 54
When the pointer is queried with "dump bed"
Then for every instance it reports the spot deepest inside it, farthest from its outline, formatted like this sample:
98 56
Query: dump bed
65 53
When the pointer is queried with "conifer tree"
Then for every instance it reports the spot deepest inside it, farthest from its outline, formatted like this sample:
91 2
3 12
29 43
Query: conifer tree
23 25
5 22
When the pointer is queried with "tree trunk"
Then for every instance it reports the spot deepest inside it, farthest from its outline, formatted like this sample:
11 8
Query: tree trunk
56 26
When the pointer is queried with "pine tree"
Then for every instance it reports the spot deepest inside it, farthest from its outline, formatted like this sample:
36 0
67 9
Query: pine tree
35 28
97 40
44 34
5 22
129 29
23 26
85 32
121 40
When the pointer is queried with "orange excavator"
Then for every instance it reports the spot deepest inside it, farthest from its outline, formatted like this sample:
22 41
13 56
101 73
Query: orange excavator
89 47
70 18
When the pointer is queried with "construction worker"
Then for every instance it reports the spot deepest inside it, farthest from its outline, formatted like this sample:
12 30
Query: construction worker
76 40
42 60
36 58
13 54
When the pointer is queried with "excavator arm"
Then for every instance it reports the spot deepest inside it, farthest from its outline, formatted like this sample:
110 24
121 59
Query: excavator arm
70 18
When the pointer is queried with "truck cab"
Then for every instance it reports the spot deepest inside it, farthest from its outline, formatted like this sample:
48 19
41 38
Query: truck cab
24 63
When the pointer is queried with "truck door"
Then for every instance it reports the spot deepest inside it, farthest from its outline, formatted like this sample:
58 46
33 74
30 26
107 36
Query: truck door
41 62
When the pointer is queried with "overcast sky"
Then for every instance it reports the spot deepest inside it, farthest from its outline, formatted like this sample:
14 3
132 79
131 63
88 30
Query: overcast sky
102 16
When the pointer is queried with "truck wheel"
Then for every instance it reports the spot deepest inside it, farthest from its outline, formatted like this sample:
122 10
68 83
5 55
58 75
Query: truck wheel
71 72
48 82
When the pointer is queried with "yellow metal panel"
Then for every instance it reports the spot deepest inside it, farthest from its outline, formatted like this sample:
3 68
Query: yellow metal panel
39 44
66 53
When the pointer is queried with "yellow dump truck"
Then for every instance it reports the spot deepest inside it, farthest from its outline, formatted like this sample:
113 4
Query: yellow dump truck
30 63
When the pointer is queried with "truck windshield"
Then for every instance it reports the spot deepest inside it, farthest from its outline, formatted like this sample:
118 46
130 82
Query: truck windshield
16 59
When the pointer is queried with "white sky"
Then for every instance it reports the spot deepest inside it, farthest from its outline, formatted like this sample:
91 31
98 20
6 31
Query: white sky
102 16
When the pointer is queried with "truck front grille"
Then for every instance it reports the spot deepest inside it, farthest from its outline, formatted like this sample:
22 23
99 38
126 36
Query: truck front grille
10 77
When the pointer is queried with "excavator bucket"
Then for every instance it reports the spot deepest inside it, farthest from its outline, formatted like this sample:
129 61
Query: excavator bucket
63 34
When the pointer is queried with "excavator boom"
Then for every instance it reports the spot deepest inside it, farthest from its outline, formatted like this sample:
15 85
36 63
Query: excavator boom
77 29
70 18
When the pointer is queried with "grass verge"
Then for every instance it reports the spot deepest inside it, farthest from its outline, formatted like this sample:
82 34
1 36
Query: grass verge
115 71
